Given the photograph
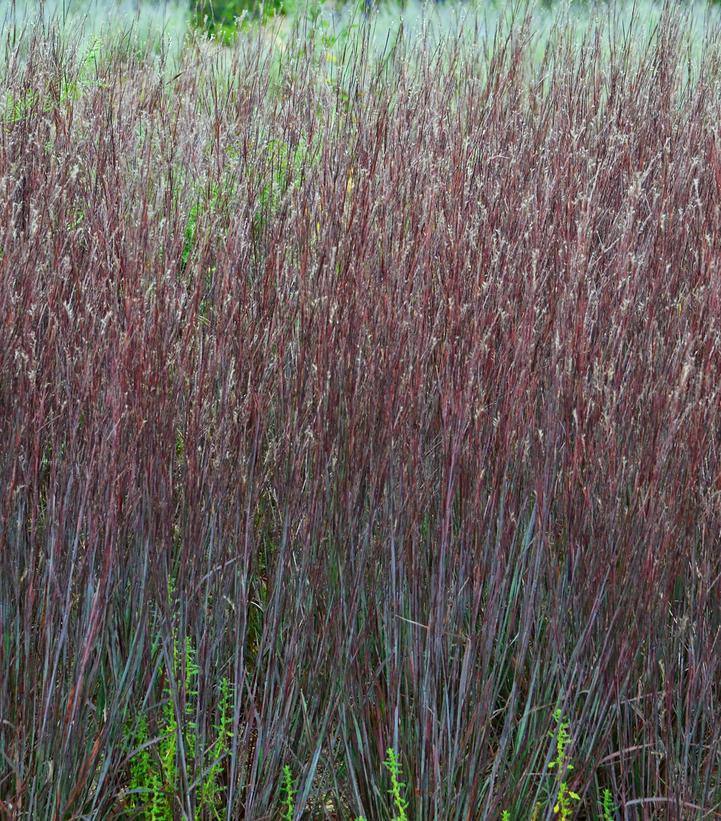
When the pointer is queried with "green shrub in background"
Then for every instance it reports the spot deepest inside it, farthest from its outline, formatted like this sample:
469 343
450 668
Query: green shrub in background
221 18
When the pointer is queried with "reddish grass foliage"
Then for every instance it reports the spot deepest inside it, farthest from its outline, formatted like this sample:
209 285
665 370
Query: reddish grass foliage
391 385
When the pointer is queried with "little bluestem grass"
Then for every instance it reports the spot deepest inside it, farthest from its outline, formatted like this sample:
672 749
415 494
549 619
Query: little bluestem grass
397 409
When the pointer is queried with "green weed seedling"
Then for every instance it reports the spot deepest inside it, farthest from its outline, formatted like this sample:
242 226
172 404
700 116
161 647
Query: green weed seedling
191 226
287 793
392 764
563 806
286 167
189 236
210 790
153 780
16 108
145 785
608 806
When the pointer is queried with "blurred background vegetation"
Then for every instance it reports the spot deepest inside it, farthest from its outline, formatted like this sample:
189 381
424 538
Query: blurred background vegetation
223 19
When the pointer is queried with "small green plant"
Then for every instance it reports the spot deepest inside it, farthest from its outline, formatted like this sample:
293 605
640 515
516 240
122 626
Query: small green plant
203 203
145 785
279 180
505 815
392 764
282 168
160 806
153 780
189 236
287 792
608 806
210 789
563 806
17 108
72 90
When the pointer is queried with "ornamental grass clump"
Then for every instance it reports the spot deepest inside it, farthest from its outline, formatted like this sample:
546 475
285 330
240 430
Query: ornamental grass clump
353 400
